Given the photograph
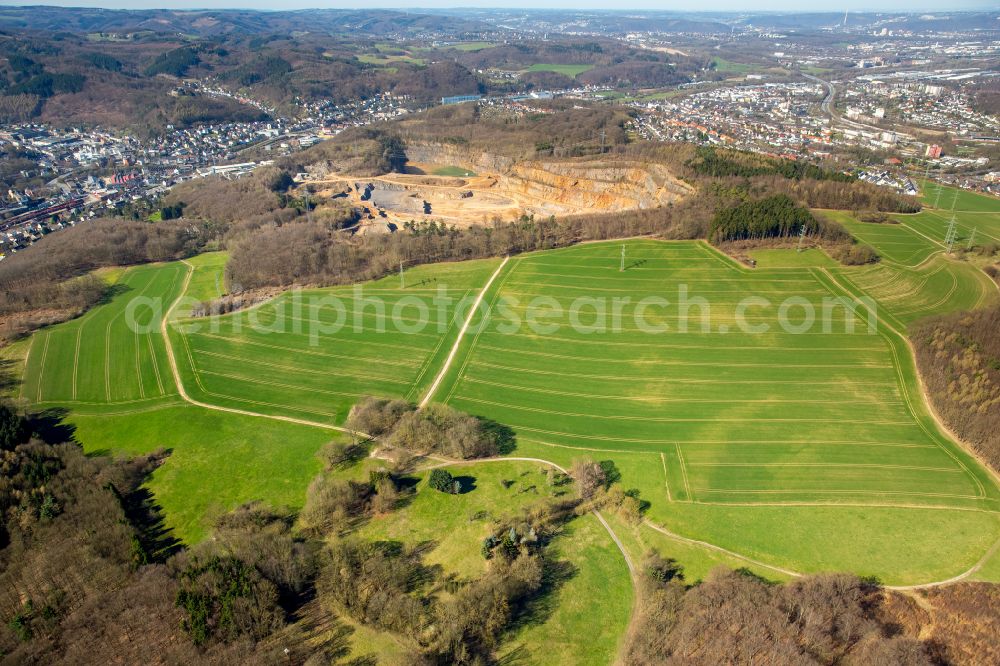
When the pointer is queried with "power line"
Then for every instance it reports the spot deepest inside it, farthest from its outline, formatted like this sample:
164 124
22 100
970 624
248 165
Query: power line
951 235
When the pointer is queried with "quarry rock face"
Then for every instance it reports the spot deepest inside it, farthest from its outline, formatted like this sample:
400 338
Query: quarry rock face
564 186
593 185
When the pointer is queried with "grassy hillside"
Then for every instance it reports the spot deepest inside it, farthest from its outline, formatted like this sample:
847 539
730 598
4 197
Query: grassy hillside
762 442
113 355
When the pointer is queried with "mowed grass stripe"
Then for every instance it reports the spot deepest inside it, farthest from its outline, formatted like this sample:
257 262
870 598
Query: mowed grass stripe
600 347
317 339
684 380
678 419
767 343
325 372
707 409
717 400
309 352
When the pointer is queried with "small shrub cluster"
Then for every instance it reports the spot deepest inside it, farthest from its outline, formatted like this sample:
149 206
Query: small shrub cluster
436 429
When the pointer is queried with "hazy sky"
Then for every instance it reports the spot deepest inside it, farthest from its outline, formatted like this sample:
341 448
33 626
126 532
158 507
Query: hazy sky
668 5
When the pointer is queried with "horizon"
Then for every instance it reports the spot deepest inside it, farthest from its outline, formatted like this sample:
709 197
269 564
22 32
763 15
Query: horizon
715 7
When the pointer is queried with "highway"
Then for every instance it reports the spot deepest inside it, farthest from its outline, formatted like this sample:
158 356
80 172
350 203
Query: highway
829 109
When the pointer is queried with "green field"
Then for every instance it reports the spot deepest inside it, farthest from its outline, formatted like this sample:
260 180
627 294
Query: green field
634 391
938 286
217 461
282 357
786 258
896 243
916 277
724 66
208 280
571 71
471 46
760 442
101 359
973 212
388 59
453 171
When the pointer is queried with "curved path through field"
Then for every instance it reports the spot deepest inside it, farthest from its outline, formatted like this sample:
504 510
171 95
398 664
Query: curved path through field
180 384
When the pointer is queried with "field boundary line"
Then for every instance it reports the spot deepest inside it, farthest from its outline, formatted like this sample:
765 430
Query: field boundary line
261 403
98 403
172 360
76 357
138 365
653 345
743 442
684 473
245 339
107 360
461 333
692 364
666 476
908 225
833 491
692 380
855 505
41 368
949 470
156 366
310 352
268 382
584 448
126 412
24 368
364 314
430 357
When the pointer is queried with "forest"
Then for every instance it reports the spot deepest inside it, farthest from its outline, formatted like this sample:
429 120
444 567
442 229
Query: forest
959 358
73 78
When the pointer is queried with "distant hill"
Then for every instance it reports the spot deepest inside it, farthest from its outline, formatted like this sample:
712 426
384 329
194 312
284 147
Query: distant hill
207 23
